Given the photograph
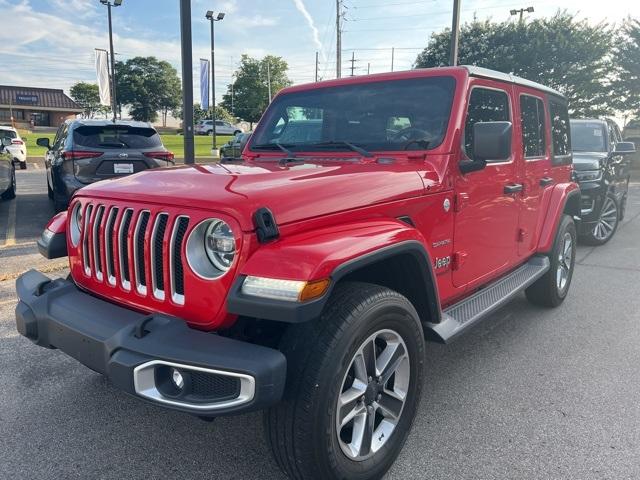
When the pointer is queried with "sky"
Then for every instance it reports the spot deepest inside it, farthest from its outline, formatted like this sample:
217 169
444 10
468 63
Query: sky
50 43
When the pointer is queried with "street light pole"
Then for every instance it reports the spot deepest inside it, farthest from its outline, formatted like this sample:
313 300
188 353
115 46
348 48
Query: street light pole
212 20
114 103
455 33
187 81
521 11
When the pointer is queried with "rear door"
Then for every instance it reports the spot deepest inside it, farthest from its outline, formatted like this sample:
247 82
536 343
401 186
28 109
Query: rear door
534 152
487 201
107 151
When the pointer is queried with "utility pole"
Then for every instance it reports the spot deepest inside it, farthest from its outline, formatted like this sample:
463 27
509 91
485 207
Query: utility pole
521 11
368 68
316 66
455 32
338 38
393 57
209 16
269 79
353 62
187 80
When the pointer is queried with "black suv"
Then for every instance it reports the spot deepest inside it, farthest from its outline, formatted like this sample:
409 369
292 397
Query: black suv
87 151
602 165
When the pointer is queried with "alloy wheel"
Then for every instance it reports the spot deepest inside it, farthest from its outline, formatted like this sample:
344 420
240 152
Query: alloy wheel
608 220
565 257
373 395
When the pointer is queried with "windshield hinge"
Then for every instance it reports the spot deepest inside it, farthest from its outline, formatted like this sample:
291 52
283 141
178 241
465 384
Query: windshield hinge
266 226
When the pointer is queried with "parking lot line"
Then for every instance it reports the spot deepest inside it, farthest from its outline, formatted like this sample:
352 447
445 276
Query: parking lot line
10 239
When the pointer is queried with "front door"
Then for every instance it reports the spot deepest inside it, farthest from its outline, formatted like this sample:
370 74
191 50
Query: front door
487 201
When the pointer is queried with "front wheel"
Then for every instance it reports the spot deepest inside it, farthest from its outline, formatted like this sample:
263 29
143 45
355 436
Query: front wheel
354 384
10 193
551 289
607 224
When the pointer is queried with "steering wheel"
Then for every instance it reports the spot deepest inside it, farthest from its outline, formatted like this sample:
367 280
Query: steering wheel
409 133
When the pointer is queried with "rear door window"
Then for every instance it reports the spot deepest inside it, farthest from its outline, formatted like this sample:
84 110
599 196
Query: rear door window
560 136
116 136
533 126
485 105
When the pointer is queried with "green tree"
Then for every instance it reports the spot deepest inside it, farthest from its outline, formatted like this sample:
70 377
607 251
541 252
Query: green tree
148 85
200 114
250 88
562 52
87 96
626 56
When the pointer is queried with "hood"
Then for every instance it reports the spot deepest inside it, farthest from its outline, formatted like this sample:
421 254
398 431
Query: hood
588 160
292 193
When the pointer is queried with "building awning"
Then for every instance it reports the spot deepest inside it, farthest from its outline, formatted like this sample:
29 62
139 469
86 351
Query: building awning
44 99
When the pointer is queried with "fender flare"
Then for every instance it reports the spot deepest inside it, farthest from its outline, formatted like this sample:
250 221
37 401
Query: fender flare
331 252
565 198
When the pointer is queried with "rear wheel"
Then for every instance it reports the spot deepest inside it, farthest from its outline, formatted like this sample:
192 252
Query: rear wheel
607 224
10 193
23 165
551 289
354 384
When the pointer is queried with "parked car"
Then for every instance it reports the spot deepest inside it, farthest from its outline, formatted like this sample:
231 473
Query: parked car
232 150
87 151
323 266
602 163
7 170
205 127
18 147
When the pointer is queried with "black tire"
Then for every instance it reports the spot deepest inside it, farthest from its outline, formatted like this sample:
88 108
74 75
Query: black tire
301 430
49 190
10 193
23 165
548 290
595 237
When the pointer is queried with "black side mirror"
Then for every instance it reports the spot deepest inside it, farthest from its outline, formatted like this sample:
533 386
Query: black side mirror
243 142
43 142
625 148
491 141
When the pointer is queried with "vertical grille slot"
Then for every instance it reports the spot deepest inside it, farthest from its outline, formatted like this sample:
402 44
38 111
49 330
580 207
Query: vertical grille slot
157 255
138 252
176 273
108 245
123 250
86 261
95 238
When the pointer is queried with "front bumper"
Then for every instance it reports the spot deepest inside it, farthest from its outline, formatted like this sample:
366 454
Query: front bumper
137 352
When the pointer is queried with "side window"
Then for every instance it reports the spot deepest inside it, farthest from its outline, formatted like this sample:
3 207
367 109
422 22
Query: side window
533 126
560 136
485 105
58 136
61 137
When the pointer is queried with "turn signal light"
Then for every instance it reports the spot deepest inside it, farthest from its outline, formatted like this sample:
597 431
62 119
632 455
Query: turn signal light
314 290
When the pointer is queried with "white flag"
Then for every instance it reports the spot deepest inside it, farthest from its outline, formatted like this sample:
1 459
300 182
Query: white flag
102 70
204 84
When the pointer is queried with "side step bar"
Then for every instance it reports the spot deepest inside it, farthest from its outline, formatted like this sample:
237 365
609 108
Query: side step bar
460 317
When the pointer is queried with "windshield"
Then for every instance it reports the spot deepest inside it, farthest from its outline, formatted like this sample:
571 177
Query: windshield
116 136
588 137
393 115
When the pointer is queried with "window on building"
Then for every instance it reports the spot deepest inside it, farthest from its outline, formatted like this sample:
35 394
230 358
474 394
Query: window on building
533 126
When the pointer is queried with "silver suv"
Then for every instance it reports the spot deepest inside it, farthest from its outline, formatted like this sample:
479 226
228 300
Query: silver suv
205 127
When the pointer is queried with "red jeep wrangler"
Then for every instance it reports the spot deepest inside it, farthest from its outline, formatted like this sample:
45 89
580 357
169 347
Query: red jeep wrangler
369 215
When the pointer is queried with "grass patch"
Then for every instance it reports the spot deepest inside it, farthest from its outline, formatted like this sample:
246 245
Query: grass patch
174 143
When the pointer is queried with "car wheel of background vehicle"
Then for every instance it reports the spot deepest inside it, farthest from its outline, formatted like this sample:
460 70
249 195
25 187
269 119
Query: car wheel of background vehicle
59 205
354 383
209 132
23 165
551 289
10 193
607 224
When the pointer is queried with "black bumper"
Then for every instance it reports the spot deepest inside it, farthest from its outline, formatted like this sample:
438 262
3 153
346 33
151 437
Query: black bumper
119 342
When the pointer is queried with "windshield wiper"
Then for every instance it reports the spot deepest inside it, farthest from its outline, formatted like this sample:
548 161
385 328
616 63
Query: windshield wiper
275 146
351 146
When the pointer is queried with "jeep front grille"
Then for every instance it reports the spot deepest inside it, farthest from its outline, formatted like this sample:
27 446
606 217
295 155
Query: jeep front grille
122 246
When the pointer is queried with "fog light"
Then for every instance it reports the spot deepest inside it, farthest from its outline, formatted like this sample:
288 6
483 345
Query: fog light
177 378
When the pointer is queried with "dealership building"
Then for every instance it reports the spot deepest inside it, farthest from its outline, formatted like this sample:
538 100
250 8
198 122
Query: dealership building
40 107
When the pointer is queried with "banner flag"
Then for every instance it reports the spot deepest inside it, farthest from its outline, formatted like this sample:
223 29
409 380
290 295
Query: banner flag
102 70
204 84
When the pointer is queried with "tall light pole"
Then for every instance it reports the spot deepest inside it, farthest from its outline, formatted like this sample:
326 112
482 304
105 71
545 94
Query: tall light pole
187 80
109 4
212 20
455 33
521 12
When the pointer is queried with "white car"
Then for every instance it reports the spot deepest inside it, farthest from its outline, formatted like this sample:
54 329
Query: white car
18 147
205 127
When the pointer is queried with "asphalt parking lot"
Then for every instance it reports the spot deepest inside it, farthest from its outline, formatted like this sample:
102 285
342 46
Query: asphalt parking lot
531 393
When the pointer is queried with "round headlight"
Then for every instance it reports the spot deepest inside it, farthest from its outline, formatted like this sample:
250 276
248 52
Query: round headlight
76 224
220 245
211 248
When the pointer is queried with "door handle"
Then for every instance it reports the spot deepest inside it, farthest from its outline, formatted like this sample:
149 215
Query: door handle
546 181
513 188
